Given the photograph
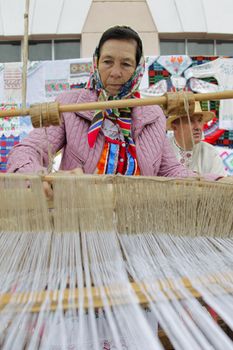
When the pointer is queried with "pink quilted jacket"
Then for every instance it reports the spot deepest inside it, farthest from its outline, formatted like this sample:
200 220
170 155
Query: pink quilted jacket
154 154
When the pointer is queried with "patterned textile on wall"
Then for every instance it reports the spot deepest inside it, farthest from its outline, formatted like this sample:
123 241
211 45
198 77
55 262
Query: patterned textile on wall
158 73
45 80
79 74
65 75
6 143
12 131
55 87
227 156
9 134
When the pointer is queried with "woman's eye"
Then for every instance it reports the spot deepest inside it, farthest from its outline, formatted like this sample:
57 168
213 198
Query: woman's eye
125 64
107 62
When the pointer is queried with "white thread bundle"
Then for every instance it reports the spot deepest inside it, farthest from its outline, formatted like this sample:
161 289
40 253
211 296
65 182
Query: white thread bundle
107 232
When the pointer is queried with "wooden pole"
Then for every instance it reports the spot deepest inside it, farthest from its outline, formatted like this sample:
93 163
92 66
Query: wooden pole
71 297
25 55
161 100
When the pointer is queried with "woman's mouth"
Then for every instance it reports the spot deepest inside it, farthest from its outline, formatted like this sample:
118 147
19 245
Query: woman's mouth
115 86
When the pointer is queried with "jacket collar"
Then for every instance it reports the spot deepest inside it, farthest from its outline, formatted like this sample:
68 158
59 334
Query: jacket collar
85 96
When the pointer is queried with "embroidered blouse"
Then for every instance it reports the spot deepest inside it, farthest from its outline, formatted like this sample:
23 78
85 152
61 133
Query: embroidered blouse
116 157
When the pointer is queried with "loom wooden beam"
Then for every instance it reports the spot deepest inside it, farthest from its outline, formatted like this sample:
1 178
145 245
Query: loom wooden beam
18 300
114 294
162 100
197 181
74 298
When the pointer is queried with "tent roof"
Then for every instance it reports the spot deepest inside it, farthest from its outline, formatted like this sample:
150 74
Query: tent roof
68 16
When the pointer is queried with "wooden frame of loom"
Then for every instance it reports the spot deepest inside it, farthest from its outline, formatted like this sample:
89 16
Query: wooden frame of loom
52 110
191 184
80 296
18 300
55 109
73 298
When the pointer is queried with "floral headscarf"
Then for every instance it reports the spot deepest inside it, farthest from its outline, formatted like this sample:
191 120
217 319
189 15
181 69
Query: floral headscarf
122 116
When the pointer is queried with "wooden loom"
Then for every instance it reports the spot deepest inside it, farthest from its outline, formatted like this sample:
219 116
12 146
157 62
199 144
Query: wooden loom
46 114
190 211
190 207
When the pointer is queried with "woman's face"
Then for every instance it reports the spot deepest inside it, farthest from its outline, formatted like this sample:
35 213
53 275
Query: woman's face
117 63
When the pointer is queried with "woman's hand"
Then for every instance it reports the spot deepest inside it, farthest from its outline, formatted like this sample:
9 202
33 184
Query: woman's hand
48 187
48 190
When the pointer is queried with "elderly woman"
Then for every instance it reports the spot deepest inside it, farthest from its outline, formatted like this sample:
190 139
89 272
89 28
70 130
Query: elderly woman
129 141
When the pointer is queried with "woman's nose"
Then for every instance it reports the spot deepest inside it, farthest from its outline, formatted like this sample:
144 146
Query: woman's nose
116 71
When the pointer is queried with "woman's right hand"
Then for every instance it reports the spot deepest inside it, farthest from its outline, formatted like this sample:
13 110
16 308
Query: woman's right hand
48 187
48 190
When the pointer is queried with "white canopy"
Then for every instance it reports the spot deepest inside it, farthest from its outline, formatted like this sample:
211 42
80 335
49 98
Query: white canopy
58 17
